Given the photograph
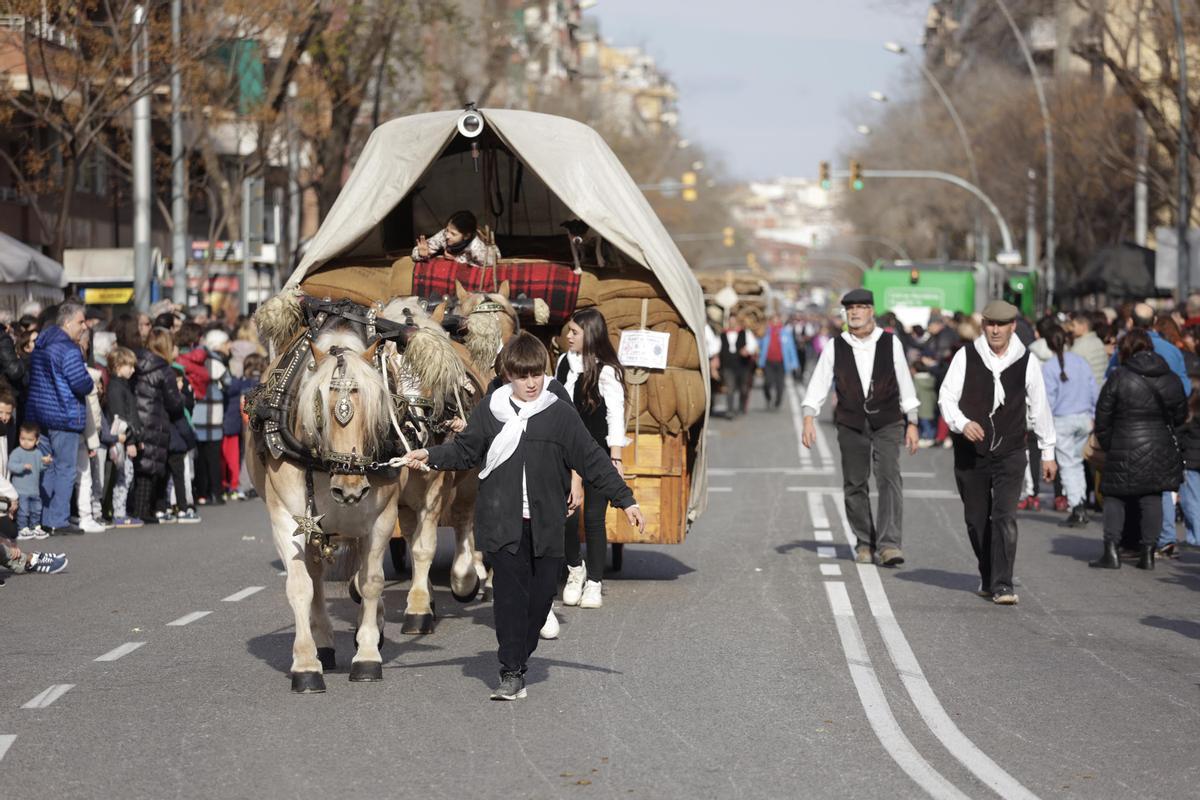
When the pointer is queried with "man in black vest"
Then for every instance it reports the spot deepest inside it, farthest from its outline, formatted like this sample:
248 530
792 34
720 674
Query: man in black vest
875 394
992 394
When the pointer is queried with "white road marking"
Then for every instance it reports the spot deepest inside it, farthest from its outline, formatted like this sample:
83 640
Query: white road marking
827 552
911 494
823 536
242 595
187 619
926 701
874 702
6 742
917 474
798 423
730 471
816 510
720 488
831 570
119 652
823 448
48 697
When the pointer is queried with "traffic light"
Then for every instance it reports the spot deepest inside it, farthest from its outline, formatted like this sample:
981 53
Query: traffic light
856 179
826 178
727 236
689 187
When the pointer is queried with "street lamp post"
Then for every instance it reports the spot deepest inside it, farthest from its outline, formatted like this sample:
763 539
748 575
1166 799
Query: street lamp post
141 162
1183 215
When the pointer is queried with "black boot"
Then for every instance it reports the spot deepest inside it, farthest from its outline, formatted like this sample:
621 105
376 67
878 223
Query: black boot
1146 557
1109 559
1078 518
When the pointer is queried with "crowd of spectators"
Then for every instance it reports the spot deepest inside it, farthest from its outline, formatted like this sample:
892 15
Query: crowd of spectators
118 421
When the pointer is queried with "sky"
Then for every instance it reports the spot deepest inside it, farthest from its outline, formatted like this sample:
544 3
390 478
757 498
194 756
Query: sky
771 86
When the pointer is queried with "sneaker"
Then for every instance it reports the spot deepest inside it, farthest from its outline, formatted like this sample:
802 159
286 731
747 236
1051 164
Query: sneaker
188 517
238 496
863 554
925 443
91 526
1078 518
550 628
573 591
1166 551
46 563
1035 503
1061 504
891 557
39 532
1023 504
25 534
1005 597
66 530
128 522
164 517
591 595
201 501
512 687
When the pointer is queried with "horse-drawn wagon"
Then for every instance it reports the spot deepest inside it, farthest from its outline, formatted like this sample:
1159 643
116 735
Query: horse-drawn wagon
525 174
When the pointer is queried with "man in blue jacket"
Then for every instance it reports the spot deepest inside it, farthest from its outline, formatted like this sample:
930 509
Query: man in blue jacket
777 358
59 384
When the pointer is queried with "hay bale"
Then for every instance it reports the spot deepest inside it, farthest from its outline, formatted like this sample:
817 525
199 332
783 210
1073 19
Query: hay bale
689 396
660 401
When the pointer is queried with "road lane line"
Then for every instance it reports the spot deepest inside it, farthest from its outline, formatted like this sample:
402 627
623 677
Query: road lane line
48 697
823 447
6 741
823 536
816 510
119 652
926 701
720 488
827 552
874 702
831 570
798 424
188 619
242 595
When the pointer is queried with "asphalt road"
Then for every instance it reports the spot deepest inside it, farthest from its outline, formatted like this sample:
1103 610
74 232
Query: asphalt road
755 660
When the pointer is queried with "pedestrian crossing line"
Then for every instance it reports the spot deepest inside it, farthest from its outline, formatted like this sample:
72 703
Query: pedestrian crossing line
798 423
823 536
826 552
47 698
120 652
6 741
242 595
720 488
823 448
188 619
923 697
874 701
831 570
816 510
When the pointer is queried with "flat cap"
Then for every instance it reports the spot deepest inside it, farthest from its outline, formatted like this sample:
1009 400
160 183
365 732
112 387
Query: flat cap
1000 311
858 297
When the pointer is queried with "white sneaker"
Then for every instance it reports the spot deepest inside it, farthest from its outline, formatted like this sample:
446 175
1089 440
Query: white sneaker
91 526
573 591
591 595
25 534
550 629
39 532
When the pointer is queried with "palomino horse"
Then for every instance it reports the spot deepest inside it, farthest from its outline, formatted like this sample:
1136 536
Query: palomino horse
345 416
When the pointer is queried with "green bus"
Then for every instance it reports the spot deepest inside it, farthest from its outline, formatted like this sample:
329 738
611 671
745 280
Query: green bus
951 286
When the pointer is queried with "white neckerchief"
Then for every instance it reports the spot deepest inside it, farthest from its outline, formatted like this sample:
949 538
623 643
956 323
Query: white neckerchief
501 406
997 364
868 342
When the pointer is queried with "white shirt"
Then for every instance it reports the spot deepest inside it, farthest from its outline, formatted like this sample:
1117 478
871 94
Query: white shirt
1037 409
751 341
712 341
821 381
611 392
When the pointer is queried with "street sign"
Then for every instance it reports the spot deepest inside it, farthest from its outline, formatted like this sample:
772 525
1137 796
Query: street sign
1008 258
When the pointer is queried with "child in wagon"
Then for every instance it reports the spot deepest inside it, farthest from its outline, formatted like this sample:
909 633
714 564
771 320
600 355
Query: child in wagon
528 442
459 240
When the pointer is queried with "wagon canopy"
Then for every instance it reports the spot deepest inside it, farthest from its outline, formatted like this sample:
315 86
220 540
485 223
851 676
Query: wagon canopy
580 174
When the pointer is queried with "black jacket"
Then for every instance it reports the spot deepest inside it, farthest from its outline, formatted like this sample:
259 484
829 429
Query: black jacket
183 435
158 403
554 443
1141 456
1189 442
12 367
120 402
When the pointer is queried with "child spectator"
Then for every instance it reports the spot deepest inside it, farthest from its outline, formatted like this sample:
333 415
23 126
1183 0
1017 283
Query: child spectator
208 418
121 409
459 240
183 443
231 445
528 441
25 466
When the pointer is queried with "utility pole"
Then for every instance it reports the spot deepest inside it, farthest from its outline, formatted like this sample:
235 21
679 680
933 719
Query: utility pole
1140 193
141 163
1031 235
293 185
1183 215
179 205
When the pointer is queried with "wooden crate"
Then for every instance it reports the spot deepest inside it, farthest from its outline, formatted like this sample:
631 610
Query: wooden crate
656 471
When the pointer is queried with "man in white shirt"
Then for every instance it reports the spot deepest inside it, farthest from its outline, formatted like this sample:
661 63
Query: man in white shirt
991 395
876 409
739 347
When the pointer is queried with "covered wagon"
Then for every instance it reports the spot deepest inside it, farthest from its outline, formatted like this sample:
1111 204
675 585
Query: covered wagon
572 230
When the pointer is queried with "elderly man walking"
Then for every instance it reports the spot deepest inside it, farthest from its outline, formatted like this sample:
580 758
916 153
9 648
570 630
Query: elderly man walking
59 384
992 390
876 410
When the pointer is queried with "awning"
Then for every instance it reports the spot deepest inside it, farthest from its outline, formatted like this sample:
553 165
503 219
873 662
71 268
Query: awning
20 263
109 265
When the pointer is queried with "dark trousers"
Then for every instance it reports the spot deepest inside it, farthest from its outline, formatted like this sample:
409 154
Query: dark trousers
1147 507
773 383
595 506
523 591
182 490
878 448
208 471
147 490
990 491
737 374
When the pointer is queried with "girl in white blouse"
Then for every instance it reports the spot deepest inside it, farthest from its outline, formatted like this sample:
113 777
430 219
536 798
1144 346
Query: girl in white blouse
592 375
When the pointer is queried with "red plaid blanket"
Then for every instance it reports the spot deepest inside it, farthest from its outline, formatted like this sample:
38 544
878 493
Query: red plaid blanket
558 285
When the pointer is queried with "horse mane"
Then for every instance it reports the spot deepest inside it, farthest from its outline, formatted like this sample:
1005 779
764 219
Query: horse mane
373 398
485 332
429 354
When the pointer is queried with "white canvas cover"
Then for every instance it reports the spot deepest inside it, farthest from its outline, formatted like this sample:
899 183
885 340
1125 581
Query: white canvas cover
571 159
20 263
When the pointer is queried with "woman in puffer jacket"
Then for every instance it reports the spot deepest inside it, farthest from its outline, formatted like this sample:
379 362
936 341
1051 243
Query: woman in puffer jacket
158 404
1139 408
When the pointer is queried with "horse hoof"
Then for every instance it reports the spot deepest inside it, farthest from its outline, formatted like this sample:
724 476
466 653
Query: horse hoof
327 657
308 682
354 595
469 596
417 624
366 671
